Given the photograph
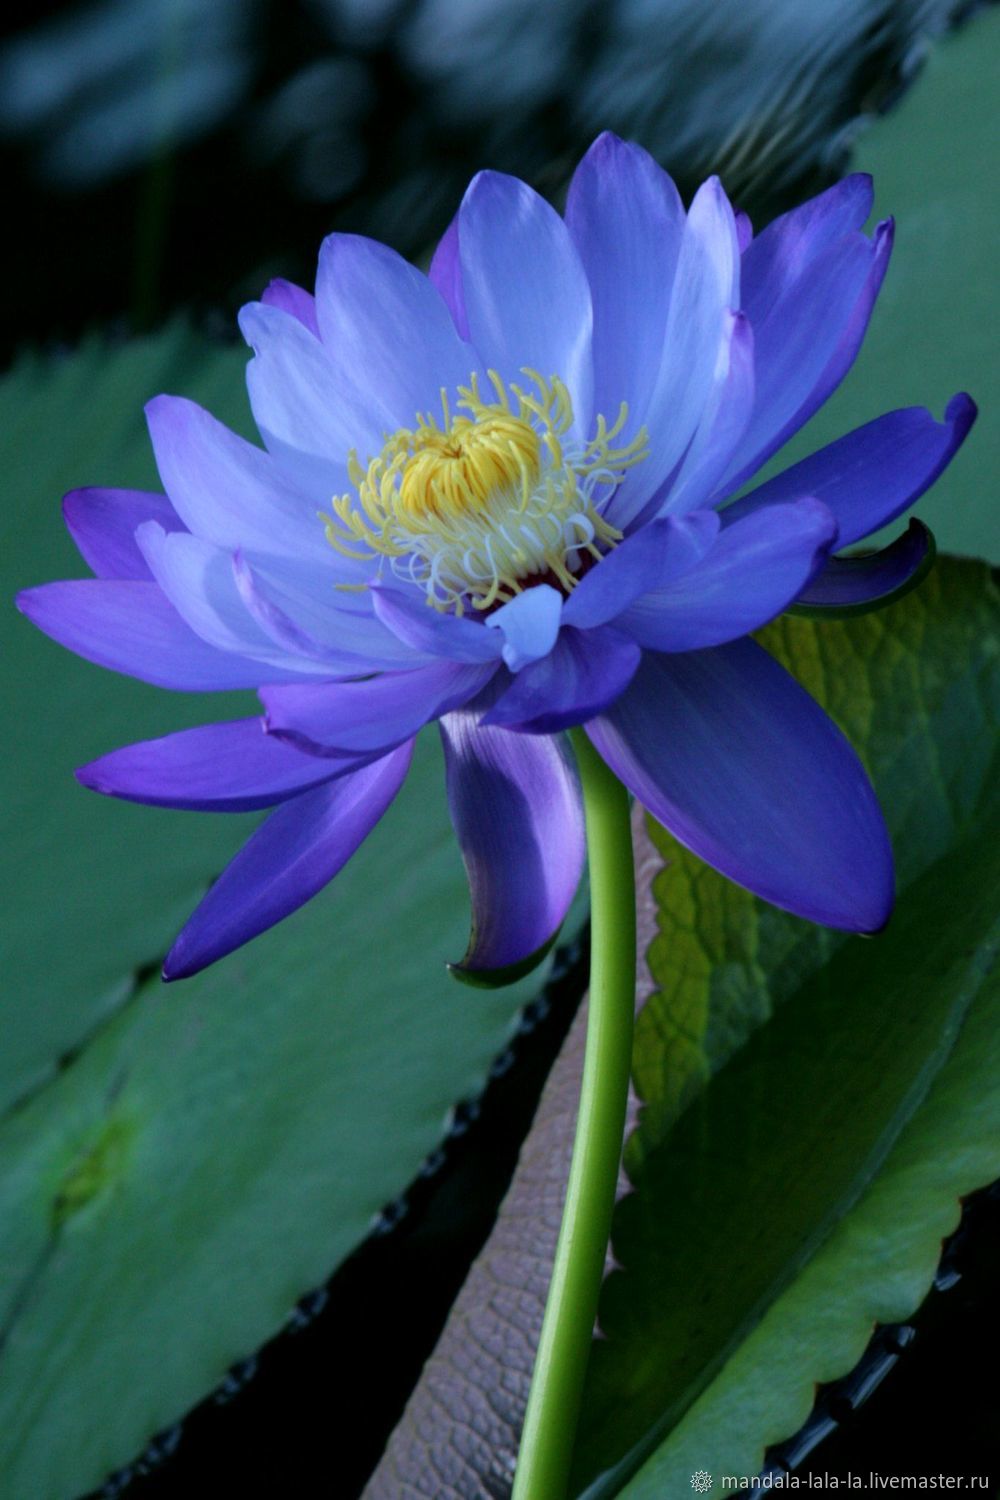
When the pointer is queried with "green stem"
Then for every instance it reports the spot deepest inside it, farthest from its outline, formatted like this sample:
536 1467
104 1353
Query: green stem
567 1329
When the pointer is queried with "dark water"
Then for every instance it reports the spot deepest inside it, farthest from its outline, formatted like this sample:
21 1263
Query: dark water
166 154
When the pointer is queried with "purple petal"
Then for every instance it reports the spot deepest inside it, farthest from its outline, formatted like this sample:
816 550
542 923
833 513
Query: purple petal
874 473
130 627
755 570
446 274
103 524
387 331
848 585
790 243
644 561
530 624
745 769
581 676
744 231
297 851
515 804
292 299
233 767
427 630
353 717
224 489
807 342
626 219
526 294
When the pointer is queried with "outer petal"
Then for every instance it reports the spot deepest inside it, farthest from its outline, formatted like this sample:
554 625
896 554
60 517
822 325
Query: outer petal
130 627
581 676
387 331
854 585
626 219
807 342
103 523
642 562
526 294
233 767
745 769
298 850
429 631
874 473
224 489
695 352
790 243
446 274
754 571
354 717
515 804
530 624
292 299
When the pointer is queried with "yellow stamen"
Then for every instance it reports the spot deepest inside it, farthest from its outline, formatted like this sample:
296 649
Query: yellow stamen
475 508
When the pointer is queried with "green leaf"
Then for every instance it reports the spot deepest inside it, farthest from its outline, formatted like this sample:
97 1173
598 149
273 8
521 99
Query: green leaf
178 1166
932 333
815 1105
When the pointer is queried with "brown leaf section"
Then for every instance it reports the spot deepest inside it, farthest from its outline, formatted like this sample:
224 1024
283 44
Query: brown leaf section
458 1437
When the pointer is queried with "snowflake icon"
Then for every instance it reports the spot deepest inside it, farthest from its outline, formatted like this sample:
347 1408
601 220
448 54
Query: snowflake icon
701 1481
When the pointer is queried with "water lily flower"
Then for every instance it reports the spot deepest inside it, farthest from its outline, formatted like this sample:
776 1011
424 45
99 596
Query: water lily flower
500 496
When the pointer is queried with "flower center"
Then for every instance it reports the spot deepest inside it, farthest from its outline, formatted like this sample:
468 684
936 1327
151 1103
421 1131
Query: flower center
477 507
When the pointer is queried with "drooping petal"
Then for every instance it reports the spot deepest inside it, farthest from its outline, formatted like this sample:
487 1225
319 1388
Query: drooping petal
745 769
695 352
874 473
292 299
224 489
231 767
807 342
790 243
103 524
642 562
429 631
529 623
446 274
515 804
755 570
353 717
585 672
297 851
526 294
855 585
387 331
626 220
131 627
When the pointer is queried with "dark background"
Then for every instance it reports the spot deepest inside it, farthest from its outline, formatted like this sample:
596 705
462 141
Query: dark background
160 155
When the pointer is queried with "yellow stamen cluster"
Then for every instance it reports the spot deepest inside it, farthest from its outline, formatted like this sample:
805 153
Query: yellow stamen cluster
474 507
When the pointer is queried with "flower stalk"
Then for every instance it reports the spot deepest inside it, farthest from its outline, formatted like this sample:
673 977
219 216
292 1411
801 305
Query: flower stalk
567 1328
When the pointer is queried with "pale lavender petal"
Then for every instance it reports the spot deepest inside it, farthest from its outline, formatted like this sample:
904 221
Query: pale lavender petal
429 631
129 626
847 584
515 804
744 231
103 524
526 294
755 570
231 767
446 274
530 624
354 717
292 299
388 332
790 243
874 473
805 345
642 562
584 673
626 219
294 853
727 751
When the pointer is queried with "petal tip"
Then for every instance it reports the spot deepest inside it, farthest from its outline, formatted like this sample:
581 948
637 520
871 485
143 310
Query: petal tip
495 979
